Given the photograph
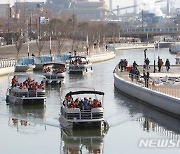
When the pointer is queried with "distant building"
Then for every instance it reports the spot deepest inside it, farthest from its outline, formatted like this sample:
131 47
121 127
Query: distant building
4 11
88 10
177 16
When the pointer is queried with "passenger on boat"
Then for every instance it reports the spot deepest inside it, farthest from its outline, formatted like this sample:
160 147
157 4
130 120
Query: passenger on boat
34 86
86 105
41 85
59 71
29 80
67 101
76 102
80 104
90 102
72 105
47 70
96 104
80 62
14 81
23 85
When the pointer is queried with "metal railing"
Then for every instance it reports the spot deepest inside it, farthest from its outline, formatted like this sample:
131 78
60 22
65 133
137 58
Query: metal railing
83 115
163 87
4 63
29 93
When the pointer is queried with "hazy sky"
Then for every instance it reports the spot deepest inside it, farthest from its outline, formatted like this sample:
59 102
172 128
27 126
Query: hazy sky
150 4
115 2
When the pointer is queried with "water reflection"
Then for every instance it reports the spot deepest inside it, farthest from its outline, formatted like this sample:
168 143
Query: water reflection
82 141
27 119
152 120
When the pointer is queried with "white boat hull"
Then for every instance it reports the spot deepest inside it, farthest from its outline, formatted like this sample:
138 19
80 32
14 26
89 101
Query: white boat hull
82 69
55 78
24 68
24 101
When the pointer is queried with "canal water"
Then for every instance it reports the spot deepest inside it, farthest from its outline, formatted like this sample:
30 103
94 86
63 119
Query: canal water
27 130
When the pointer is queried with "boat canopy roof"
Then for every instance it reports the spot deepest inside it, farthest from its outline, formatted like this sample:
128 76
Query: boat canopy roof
55 64
84 92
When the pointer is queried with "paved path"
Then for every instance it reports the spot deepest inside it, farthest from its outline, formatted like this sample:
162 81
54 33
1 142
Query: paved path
164 82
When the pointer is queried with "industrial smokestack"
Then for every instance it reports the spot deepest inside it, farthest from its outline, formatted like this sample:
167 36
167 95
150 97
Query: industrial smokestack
168 7
110 4
135 6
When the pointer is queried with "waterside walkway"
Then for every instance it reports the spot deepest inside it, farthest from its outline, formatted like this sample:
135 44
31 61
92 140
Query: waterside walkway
163 82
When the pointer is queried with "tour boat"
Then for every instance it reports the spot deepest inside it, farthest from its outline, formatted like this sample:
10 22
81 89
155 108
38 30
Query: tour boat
82 113
26 89
174 48
79 65
54 72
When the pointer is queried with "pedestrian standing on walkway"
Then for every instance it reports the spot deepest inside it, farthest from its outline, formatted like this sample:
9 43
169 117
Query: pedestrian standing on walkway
167 64
147 63
147 79
121 65
135 65
160 64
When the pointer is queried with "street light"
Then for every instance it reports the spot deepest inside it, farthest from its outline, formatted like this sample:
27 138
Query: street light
154 58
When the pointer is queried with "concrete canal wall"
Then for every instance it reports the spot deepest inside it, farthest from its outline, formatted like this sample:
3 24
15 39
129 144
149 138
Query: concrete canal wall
154 98
129 46
7 70
101 57
7 66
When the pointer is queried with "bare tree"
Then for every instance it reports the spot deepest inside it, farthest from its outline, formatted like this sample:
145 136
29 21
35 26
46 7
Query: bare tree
40 45
60 44
19 44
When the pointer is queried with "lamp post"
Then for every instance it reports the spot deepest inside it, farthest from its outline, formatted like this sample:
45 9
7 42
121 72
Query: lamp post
50 46
154 58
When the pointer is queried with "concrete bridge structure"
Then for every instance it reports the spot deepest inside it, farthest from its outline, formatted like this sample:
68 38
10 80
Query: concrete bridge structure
149 32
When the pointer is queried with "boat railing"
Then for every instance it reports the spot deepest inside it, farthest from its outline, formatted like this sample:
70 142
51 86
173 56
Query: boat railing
4 63
30 93
75 67
168 86
82 114
53 76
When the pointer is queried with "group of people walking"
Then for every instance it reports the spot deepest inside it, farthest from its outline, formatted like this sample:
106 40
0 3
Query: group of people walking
160 64
134 73
123 64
